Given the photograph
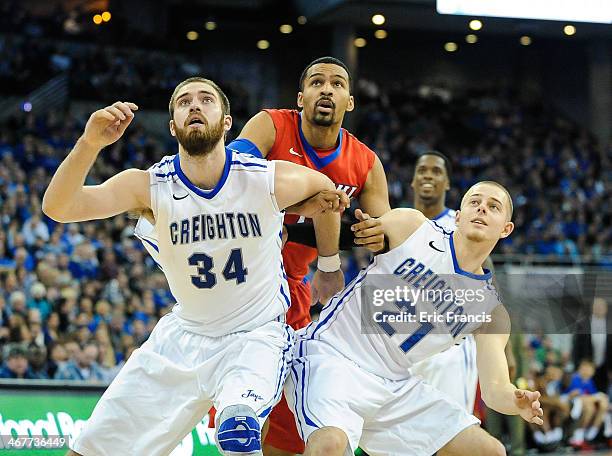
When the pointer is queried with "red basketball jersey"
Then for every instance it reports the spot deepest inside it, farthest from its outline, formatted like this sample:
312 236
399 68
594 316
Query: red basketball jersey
347 165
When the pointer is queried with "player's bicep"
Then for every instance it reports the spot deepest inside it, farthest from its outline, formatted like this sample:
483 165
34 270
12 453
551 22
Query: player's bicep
399 224
294 183
260 130
125 191
374 199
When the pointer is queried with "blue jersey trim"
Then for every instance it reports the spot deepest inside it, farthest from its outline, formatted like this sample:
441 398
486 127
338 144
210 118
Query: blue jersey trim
150 243
208 194
244 146
164 162
487 274
171 173
303 382
279 384
441 214
249 164
347 292
295 396
319 162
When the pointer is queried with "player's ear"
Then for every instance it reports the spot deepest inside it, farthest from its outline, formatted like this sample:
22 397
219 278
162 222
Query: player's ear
457 216
227 123
351 104
508 228
300 100
171 126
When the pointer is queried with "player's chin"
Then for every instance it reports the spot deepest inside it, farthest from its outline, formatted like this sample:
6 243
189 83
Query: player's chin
476 235
324 120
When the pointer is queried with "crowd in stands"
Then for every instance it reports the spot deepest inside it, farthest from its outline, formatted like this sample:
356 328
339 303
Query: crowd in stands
77 299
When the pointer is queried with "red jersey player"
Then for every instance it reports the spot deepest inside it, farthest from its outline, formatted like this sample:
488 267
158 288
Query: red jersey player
314 137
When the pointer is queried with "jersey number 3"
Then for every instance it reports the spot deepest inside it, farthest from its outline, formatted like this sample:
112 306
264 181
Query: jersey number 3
234 269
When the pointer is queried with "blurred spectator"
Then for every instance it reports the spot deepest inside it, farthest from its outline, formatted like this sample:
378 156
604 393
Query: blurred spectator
593 340
16 364
83 366
588 404
554 405
37 357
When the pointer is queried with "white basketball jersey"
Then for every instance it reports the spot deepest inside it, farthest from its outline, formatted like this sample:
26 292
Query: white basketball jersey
426 261
446 219
220 249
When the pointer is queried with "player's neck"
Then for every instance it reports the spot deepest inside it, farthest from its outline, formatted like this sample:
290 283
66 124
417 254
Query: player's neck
430 209
470 254
320 137
204 171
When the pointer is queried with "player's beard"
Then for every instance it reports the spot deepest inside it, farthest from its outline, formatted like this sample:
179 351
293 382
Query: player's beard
200 141
323 120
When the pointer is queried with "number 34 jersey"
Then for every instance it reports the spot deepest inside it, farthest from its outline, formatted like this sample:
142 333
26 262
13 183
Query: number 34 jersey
407 305
220 249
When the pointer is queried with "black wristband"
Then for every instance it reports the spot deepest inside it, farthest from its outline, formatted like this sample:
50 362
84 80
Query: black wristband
304 233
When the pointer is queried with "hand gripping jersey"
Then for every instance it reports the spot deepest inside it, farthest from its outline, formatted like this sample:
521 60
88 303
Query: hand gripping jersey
347 165
220 249
425 262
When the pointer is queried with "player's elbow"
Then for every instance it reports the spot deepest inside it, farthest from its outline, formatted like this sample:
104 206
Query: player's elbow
55 209
51 208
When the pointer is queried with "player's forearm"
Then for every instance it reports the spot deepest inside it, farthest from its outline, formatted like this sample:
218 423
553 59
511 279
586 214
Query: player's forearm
67 182
327 233
500 398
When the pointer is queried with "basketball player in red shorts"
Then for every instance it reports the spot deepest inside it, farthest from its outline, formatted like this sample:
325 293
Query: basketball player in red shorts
313 136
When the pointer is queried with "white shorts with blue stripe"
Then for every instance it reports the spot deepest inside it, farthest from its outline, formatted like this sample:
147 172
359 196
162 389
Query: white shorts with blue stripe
169 384
382 416
453 372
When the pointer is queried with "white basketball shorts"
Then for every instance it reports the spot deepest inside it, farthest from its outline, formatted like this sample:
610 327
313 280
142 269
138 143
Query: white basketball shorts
384 417
169 384
453 372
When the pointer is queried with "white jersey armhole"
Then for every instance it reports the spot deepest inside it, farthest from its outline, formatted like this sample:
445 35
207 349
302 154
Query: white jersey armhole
153 190
271 174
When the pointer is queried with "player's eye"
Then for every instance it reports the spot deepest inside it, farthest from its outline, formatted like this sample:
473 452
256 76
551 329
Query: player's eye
183 102
474 202
316 82
495 206
338 84
208 99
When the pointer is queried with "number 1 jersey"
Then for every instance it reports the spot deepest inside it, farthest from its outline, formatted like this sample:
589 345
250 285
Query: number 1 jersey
220 249
407 305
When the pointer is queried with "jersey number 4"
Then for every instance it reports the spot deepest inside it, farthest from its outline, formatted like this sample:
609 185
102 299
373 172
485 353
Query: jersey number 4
234 269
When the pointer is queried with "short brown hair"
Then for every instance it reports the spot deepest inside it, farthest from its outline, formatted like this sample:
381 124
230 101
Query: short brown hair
225 104
498 185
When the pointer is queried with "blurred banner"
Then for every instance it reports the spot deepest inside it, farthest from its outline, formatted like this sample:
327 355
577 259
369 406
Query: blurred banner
46 412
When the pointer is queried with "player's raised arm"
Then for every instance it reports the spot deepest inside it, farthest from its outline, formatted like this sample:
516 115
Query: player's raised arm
67 199
497 390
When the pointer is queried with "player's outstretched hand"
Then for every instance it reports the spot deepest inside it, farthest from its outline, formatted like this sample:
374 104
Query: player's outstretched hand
322 202
325 285
105 126
368 232
529 405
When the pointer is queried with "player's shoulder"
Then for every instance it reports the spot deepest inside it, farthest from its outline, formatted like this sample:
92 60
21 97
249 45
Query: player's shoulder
282 115
248 162
164 168
355 144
